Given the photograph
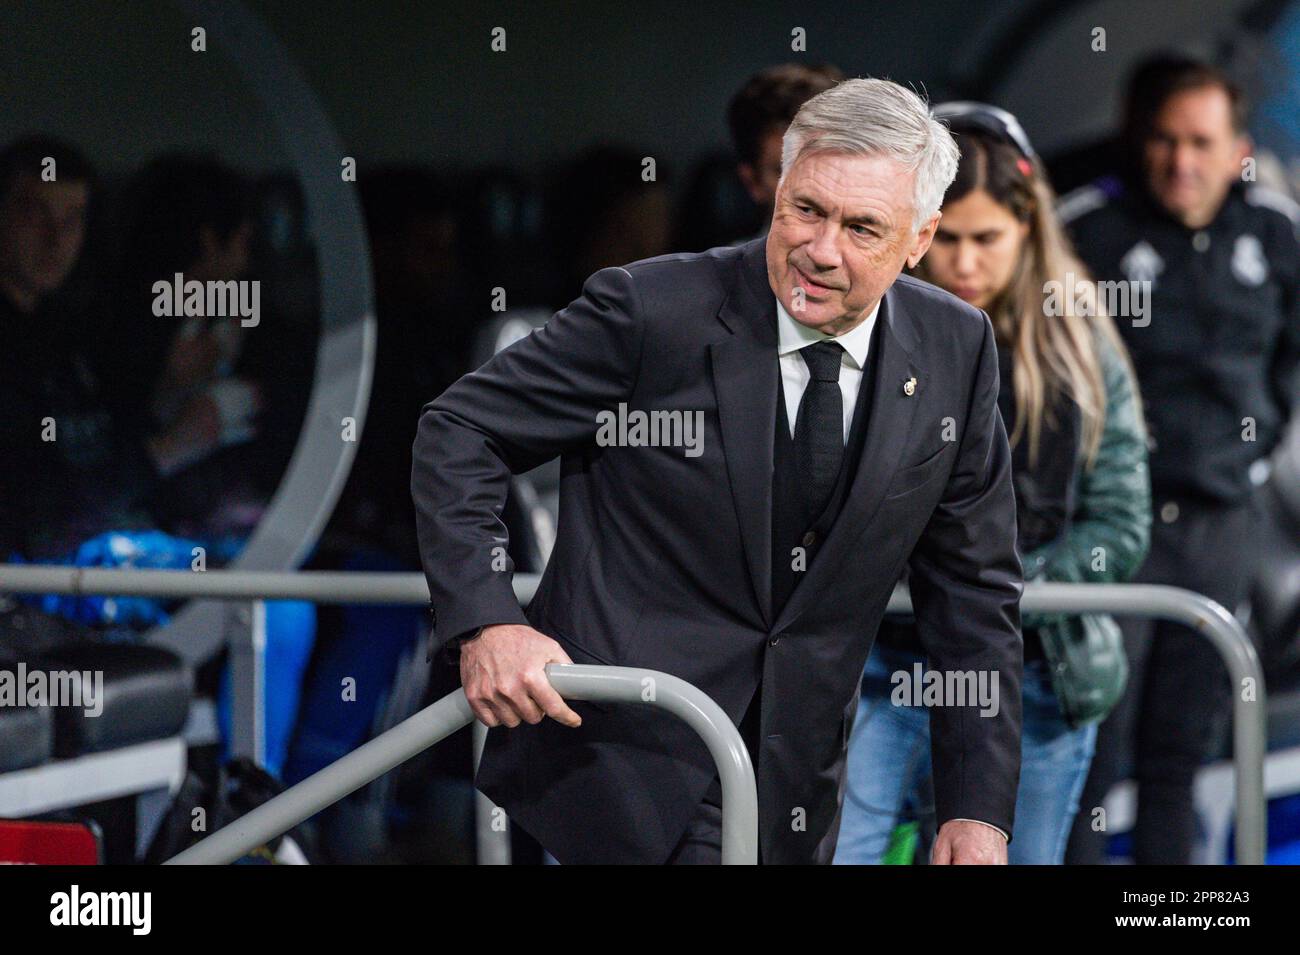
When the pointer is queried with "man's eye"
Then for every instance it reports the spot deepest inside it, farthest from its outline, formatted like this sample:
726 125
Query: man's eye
862 231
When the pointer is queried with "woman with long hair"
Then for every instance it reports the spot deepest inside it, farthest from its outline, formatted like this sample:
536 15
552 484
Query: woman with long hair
1070 404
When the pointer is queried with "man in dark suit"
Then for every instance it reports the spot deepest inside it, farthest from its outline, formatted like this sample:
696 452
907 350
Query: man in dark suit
834 422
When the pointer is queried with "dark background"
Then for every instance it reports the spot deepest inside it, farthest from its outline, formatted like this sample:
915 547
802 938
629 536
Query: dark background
418 82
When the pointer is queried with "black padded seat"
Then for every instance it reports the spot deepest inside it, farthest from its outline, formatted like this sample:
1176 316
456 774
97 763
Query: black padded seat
146 696
26 732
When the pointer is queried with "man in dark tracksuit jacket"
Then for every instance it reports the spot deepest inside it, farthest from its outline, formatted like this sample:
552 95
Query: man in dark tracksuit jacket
1216 354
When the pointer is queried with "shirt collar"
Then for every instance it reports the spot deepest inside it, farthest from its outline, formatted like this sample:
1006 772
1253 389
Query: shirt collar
793 335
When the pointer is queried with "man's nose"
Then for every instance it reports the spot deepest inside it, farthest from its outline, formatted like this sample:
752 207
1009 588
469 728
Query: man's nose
823 249
1183 160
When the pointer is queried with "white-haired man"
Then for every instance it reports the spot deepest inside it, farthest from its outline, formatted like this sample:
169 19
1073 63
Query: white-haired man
848 425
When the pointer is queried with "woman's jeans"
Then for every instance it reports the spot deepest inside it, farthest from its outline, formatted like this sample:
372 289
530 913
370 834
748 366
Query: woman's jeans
889 761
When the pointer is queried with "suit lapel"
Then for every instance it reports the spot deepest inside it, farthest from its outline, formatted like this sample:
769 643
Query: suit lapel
746 374
888 429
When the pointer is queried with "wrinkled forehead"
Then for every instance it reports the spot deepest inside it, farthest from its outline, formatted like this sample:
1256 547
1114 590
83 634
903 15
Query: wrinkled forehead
852 186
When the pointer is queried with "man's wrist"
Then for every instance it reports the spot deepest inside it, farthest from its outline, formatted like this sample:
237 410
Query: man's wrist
460 641
451 649
996 829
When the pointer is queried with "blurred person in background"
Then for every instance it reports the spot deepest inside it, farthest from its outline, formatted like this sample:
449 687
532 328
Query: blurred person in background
758 116
192 215
190 218
1071 405
1216 354
72 468
606 210
46 199
425 330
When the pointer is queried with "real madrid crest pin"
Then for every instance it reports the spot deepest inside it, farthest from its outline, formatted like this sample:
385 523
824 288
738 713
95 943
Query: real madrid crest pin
909 387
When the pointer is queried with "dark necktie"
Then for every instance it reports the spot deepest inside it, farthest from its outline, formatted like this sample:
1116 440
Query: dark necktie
819 427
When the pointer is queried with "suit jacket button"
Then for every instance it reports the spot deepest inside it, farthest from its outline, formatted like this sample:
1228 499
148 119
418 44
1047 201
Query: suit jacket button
809 539
774 641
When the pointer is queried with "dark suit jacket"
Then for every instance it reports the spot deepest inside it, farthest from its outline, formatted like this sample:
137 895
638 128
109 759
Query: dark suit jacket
663 561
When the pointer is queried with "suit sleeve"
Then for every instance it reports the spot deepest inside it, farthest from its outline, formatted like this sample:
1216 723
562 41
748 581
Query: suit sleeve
533 401
966 581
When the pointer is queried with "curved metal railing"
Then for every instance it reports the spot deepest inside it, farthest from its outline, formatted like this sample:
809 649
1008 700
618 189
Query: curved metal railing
625 685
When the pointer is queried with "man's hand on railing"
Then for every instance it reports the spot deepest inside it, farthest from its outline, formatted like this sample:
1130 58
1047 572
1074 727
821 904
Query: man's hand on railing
503 671
968 842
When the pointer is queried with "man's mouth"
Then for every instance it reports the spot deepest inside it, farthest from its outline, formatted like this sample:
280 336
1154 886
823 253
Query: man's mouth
811 285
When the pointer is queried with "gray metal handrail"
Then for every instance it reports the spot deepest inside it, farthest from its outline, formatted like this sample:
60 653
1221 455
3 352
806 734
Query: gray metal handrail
1249 696
1203 615
317 586
433 723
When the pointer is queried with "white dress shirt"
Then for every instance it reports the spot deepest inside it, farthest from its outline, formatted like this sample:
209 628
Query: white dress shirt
792 336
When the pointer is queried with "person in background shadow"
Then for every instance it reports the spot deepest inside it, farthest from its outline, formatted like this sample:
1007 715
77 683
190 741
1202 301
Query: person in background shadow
425 331
605 211
1215 259
72 467
758 117
190 215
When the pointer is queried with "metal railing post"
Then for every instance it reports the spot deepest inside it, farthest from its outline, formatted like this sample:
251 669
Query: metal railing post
702 714
1210 620
246 639
414 735
1249 699
491 827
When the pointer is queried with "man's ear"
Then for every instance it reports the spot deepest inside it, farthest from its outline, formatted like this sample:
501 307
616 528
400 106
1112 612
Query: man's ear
921 241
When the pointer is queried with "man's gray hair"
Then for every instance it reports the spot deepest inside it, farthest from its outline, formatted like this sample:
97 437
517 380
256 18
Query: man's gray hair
871 117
